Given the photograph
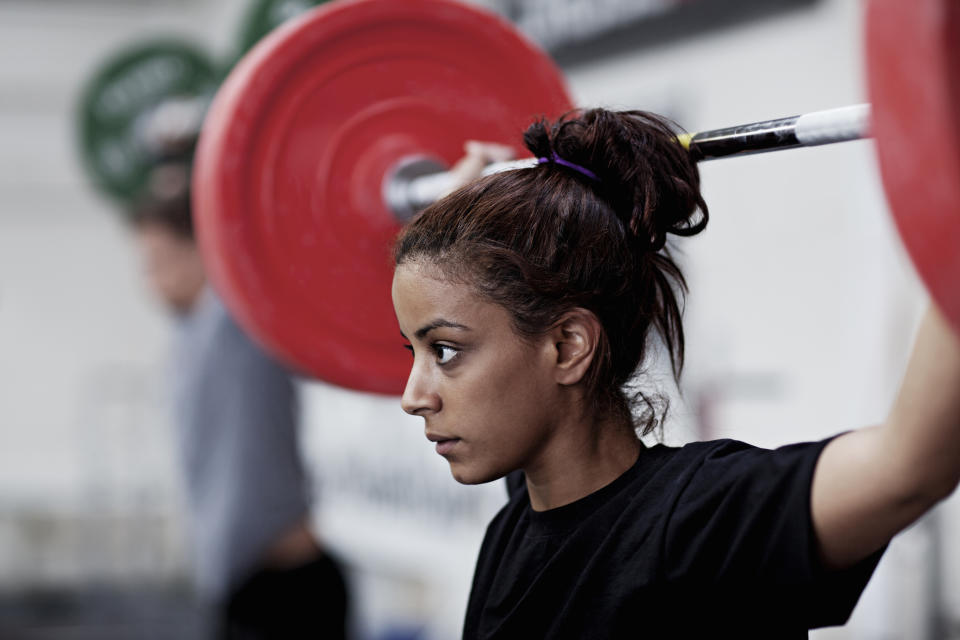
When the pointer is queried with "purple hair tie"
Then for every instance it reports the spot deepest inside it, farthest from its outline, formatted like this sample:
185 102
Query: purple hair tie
558 160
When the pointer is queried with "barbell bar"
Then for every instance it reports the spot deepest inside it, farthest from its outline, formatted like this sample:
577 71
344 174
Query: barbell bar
407 192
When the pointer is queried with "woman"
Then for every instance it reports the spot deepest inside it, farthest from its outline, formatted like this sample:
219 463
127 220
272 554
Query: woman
529 299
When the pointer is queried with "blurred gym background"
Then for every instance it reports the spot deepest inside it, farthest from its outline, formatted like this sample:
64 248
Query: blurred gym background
800 318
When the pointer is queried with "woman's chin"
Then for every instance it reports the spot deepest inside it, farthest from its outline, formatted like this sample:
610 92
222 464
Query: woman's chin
465 475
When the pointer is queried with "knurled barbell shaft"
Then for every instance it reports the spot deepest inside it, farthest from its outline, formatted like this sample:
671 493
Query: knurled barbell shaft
811 129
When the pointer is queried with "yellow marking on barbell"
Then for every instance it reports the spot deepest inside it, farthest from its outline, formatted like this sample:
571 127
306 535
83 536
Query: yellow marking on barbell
684 140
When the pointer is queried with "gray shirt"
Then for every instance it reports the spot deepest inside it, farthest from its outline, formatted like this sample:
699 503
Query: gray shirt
236 411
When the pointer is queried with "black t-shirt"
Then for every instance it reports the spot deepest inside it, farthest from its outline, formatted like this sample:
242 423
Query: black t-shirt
714 539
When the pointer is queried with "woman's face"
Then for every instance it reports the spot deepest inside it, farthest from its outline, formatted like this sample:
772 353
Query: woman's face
486 395
172 265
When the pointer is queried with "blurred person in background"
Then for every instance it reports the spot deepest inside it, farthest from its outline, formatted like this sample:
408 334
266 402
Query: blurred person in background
258 565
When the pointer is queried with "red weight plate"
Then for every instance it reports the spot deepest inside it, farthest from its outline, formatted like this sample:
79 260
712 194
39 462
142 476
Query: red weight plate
913 52
288 173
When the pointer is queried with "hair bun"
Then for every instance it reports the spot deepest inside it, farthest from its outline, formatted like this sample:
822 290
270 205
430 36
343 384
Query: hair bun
537 139
650 181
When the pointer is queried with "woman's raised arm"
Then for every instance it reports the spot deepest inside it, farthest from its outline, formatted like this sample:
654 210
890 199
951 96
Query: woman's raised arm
872 483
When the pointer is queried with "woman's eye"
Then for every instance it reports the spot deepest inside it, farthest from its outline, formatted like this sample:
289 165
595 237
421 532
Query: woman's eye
445 354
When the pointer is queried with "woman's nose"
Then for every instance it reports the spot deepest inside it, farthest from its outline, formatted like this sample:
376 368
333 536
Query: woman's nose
419 398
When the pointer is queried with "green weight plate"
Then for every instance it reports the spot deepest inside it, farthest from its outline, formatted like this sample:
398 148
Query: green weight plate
123 90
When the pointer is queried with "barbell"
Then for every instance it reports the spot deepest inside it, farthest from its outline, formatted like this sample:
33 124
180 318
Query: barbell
340 124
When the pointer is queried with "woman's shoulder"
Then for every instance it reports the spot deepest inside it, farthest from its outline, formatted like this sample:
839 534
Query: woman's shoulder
713 463
672 460
652 460
700 448
727 451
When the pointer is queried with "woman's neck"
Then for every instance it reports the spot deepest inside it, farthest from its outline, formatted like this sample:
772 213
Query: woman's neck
580 459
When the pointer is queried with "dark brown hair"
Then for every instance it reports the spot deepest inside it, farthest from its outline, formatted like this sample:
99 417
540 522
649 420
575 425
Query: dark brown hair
165 201
173 214
547 239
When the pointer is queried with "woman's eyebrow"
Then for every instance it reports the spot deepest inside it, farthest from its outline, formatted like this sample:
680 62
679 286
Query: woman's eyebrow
436 324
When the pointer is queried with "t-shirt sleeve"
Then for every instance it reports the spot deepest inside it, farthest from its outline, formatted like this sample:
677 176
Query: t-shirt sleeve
741 526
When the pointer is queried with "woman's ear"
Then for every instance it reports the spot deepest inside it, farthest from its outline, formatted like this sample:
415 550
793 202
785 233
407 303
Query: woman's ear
575 338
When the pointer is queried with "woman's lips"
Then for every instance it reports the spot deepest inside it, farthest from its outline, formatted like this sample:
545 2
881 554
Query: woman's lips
446 446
